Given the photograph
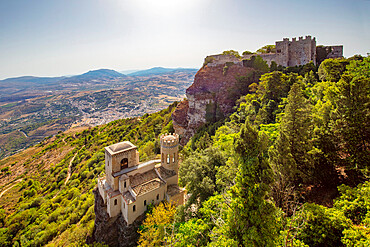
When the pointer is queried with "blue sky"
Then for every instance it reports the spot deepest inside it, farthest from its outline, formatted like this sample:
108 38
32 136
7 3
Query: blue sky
65 37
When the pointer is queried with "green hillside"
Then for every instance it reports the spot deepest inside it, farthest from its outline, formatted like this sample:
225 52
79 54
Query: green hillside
43 205
290 167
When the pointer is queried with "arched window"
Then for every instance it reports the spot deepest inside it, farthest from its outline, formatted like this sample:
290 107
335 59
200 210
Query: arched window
124 163
144 202
157 197
173 158
134 208
168 158
115 201
124 184
162 158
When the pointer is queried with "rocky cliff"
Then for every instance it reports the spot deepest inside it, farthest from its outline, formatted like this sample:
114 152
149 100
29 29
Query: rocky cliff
113 231
217 85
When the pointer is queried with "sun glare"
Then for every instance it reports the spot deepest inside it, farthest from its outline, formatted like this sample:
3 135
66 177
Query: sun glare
167 7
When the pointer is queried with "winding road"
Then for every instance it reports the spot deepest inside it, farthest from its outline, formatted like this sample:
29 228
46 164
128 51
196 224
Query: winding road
70 168
15 183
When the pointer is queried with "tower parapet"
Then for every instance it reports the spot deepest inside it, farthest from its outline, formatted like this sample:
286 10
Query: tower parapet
170 151
169 140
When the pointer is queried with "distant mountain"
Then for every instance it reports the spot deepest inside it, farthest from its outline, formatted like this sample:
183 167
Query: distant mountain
97 75
30 80
130 71
160 70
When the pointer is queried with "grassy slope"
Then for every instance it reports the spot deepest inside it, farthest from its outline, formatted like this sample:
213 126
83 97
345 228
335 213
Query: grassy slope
39 208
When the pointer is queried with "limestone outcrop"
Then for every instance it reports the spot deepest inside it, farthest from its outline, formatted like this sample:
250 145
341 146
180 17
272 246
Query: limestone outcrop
113 231
214 91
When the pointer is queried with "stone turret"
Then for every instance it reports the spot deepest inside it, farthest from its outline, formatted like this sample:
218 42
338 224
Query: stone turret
170 151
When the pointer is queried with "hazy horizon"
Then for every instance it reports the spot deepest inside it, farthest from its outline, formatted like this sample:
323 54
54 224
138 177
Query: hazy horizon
56 38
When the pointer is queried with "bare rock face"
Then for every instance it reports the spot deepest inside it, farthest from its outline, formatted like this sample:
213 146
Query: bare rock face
113 231
215 87
180 118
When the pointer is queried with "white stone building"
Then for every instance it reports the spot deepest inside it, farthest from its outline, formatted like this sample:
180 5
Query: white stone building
129 186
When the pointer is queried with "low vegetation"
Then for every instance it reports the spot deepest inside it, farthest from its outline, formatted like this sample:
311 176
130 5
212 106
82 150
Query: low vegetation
43 210
289 168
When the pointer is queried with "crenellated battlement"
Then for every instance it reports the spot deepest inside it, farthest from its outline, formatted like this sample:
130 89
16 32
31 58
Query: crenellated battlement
169 140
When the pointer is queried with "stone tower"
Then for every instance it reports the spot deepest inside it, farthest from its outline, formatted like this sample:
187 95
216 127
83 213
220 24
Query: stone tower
170 151
296 52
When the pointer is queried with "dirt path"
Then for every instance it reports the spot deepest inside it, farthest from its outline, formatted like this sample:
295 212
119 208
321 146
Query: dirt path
25 135
15 183
69 171
70 168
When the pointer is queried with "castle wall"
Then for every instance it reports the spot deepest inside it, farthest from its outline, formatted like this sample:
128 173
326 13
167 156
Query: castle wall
336 52
102 192
150 197
267 57
113 208
148 167
222 59
302 51
282 52
129 154
295 52
122 182
124 209
173 180
108 168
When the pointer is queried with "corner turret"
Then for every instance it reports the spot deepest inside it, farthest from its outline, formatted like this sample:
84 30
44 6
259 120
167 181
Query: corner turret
170 151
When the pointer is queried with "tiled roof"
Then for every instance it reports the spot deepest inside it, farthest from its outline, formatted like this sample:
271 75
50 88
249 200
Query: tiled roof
165 173
148 186
142 178
128 197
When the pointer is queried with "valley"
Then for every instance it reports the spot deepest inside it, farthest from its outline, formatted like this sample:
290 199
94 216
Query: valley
33 109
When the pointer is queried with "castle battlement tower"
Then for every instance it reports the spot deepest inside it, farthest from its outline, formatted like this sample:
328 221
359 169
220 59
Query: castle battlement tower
296 52
129 186
170 151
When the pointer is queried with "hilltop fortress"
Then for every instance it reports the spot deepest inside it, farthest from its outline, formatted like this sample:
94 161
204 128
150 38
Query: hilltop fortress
129 186
288 53
216 88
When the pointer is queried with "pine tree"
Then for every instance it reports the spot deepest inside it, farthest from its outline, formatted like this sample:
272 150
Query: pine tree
252 219
353 104
291 155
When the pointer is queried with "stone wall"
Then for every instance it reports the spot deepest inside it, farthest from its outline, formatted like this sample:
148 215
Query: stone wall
324 52
113 231
296 52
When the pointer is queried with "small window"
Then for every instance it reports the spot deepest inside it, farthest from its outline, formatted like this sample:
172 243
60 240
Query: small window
124 163
144 202
108 163
157 196
173 158
124 184
168 158
124 204
134 208
115 201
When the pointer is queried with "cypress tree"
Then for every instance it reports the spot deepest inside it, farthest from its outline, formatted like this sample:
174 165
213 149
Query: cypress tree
291 155
252 219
